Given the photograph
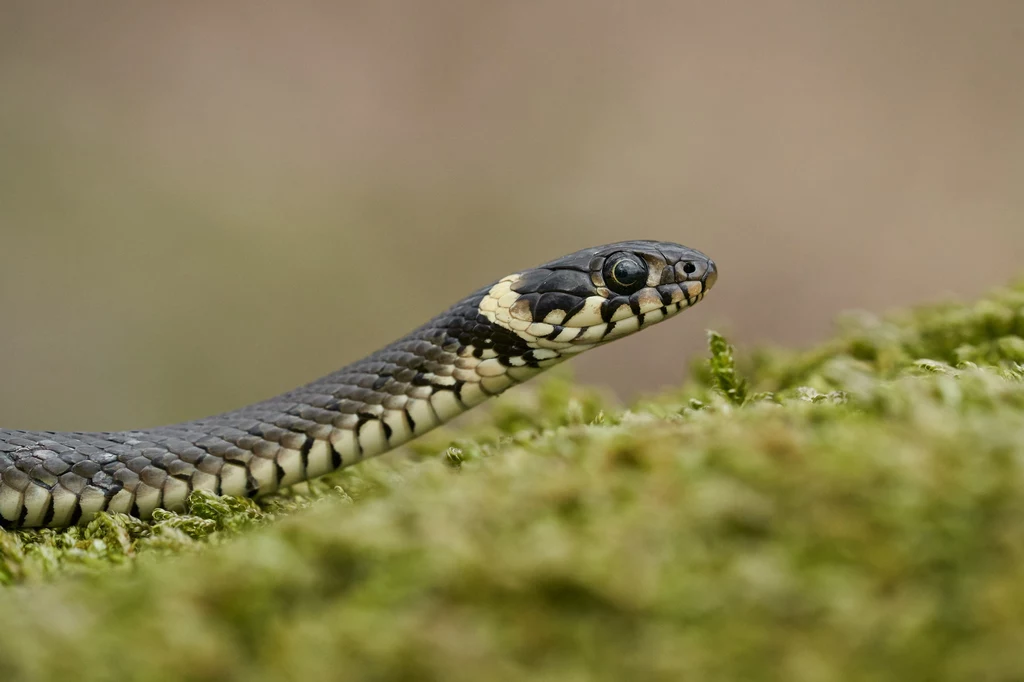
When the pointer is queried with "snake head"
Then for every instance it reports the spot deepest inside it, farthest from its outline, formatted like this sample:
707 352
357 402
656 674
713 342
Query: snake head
598 294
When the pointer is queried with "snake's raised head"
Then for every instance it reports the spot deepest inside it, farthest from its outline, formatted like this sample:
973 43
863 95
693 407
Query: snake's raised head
598 295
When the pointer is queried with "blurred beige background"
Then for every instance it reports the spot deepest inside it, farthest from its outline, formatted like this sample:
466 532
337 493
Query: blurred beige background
201 206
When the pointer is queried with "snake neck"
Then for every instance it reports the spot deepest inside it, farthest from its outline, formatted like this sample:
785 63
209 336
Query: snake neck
449 365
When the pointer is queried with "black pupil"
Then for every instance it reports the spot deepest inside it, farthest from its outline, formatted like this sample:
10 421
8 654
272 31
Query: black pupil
689 268
627 272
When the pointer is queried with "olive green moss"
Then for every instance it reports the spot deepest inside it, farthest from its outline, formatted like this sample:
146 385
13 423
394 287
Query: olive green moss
851 512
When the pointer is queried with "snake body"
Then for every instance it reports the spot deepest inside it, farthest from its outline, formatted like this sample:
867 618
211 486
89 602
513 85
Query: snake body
499 336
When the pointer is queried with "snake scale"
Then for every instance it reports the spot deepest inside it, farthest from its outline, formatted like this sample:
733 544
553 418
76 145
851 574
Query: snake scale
497 337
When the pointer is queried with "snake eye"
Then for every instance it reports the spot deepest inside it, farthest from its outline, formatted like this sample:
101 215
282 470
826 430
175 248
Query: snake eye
625 273
689 268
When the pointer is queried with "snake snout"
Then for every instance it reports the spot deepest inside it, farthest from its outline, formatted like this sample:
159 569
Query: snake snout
710 275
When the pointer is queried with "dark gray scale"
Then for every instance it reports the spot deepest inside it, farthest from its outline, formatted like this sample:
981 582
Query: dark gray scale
86 469
634 303
577 261
565 281
557 329
668 277
531 301
611 305
530 282
568 282
39 473
502 341
553 301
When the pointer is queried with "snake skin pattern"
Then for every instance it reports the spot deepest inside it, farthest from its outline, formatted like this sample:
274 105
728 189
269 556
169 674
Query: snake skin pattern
497 337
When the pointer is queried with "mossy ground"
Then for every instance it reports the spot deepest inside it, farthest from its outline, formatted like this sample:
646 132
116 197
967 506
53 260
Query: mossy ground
854 512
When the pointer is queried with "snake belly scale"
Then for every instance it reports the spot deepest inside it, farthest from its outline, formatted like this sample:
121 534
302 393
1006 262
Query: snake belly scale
499 336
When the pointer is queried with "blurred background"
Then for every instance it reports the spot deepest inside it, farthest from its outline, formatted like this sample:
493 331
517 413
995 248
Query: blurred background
204 204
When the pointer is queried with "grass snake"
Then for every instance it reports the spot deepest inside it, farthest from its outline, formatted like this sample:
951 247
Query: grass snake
499 336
